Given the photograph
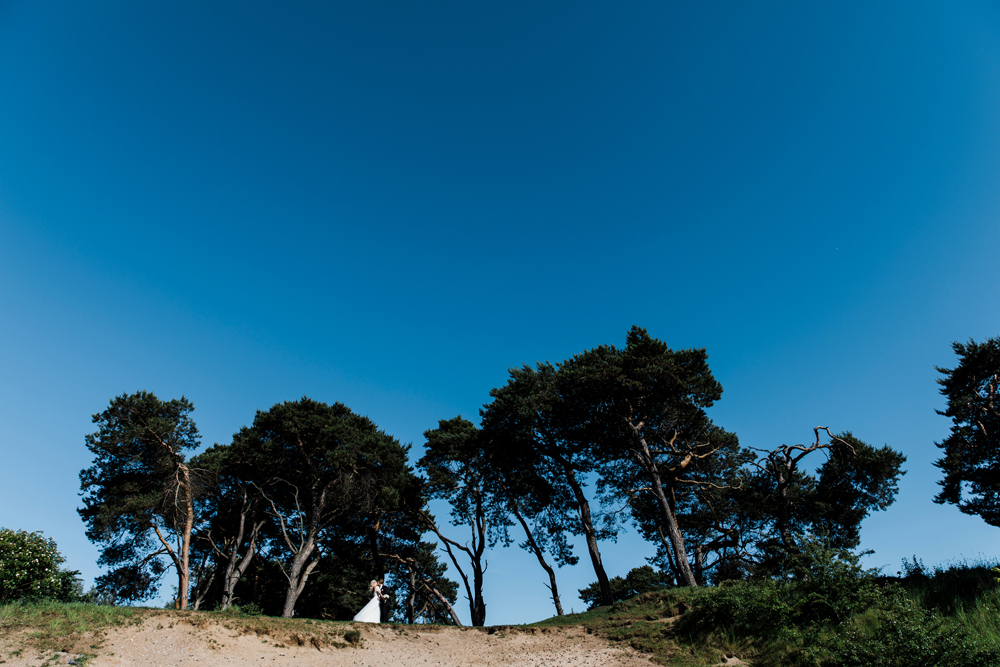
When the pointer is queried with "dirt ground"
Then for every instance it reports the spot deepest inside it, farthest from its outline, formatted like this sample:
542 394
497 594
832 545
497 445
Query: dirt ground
179 643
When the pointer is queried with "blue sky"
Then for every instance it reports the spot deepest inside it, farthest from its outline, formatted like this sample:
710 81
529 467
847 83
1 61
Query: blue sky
389 204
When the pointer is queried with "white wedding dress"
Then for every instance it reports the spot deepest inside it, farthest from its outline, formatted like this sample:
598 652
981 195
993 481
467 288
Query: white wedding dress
372 613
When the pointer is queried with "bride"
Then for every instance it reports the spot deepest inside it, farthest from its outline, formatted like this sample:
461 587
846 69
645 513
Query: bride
372 612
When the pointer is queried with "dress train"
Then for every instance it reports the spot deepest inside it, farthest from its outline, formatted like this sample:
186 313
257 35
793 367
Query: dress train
372 612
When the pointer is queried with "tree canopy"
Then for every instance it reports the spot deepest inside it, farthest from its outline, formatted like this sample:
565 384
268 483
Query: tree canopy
311 501
457 470
785 500
315 465
643 409
971 460
309 493
139 495
535 433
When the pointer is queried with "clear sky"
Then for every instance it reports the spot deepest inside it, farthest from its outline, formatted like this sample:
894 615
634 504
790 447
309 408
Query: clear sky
389 204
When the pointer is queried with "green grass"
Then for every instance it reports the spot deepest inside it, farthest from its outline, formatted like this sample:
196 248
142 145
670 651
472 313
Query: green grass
647 623
57 626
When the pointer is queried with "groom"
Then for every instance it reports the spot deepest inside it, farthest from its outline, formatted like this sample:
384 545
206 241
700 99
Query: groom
384 604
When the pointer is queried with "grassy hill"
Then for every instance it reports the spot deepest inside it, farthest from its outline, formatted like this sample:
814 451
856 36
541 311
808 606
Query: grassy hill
944 618
948 617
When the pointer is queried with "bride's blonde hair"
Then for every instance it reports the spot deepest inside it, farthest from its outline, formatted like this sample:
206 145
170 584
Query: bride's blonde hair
373 584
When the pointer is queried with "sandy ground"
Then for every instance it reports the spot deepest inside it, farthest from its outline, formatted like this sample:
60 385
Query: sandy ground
402 646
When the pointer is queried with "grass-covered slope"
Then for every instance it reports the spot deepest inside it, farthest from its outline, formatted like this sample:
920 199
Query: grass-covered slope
949 618
837 617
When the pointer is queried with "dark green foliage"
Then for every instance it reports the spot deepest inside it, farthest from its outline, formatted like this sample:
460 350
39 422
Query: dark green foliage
898 632
643 408
231 518
949 589
744 609
527 434
831 587
635 416
310 493
458 470
855 480
840 616
528 431
337 589
712 522
248 610
638 580
971 461
331 484
263 585
783 501
139 493
829 584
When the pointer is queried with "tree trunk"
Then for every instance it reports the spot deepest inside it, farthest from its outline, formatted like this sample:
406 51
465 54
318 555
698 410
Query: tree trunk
202 591
183 568
478 607
668 550
297 576
234 570
411 600
203 586
669 518
447 605
699 565
541 559
607 598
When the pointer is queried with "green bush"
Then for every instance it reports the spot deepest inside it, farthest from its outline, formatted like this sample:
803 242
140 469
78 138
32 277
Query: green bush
29 569
898 632
245 610
830 585
742 609
833 621
822 587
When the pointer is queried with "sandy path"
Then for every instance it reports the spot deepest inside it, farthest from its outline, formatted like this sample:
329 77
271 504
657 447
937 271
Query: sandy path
402 646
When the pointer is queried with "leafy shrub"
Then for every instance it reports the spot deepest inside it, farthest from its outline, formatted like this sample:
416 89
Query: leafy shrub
825 622
898 632
29 569
829 586
741 609
248 609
